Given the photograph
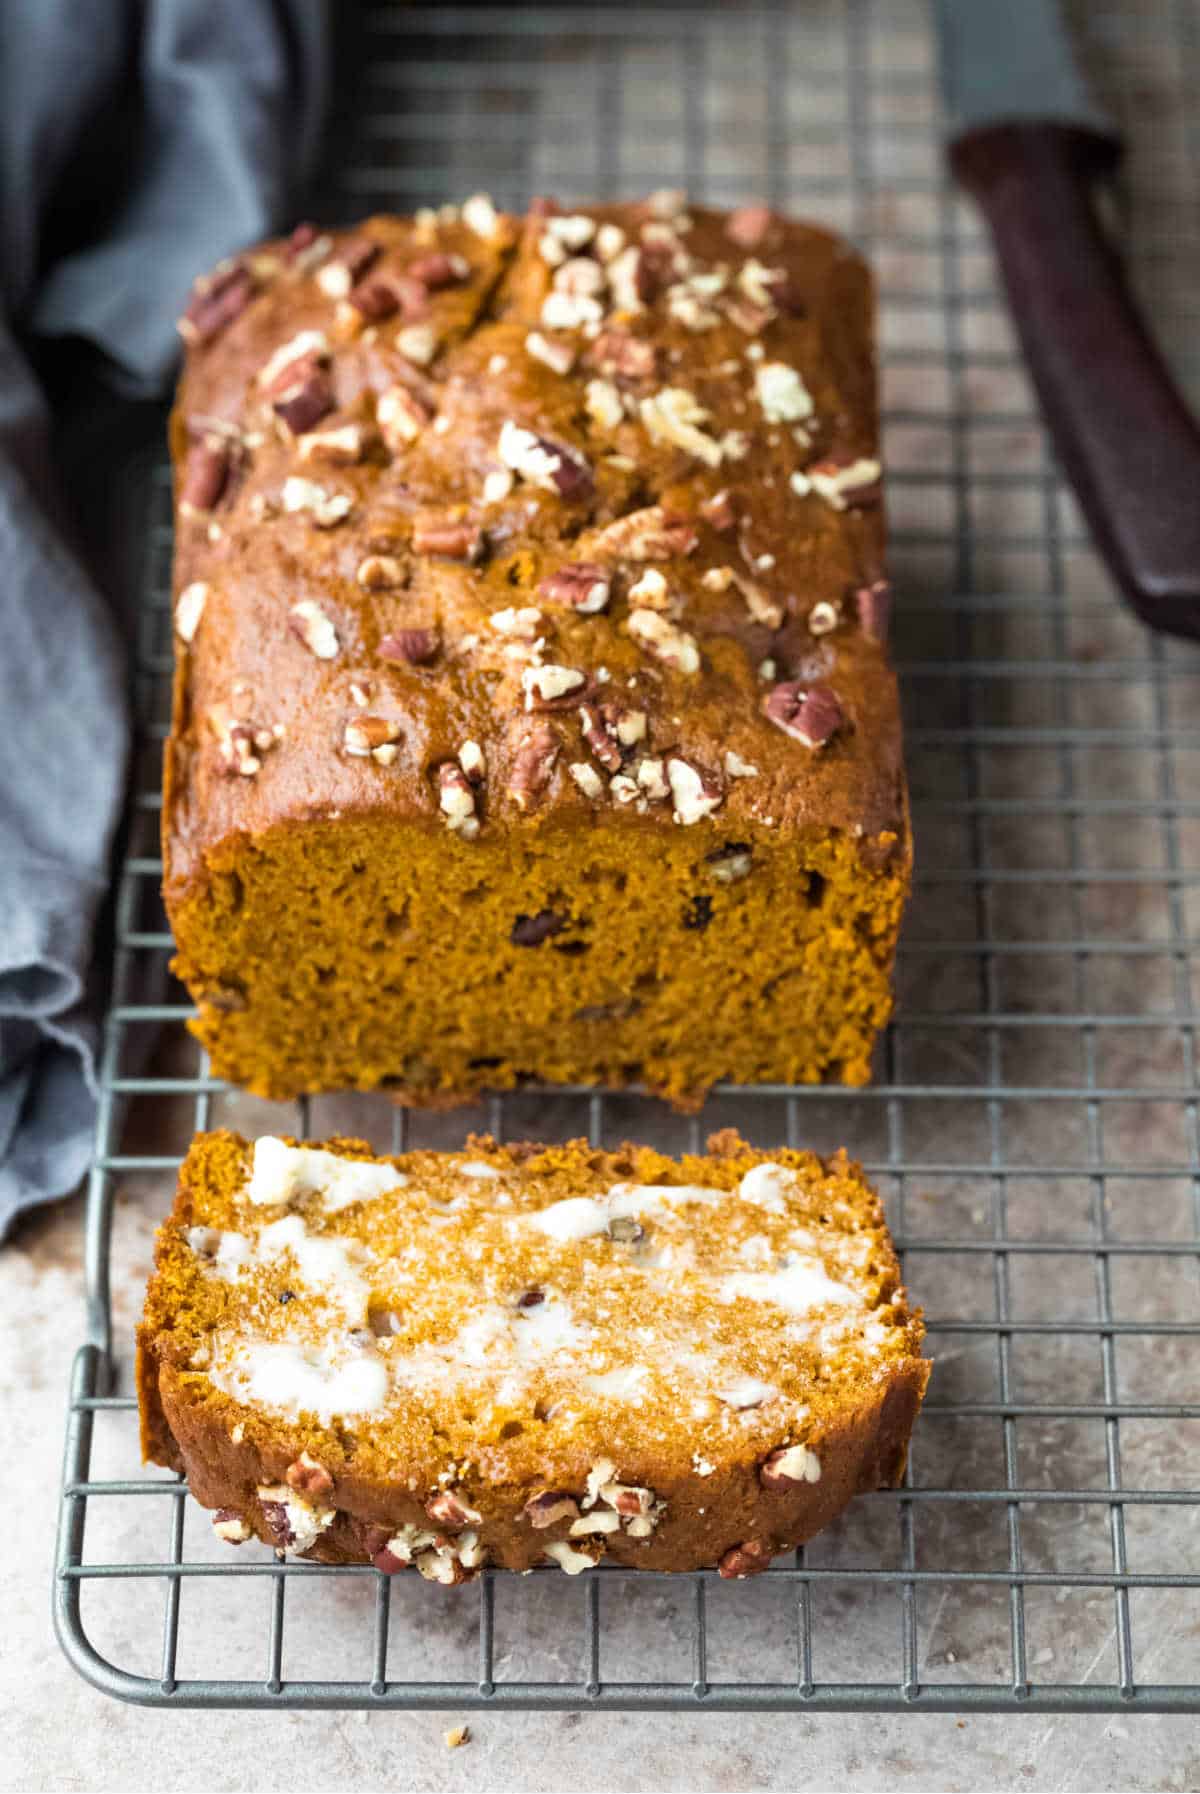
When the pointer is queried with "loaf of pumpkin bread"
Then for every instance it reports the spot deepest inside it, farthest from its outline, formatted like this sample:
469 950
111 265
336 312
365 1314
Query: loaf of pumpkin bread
533 715
525 1354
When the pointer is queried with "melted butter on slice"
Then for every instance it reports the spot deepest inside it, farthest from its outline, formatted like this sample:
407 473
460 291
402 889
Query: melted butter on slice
582 1217
281 1173
798 1285
328 1381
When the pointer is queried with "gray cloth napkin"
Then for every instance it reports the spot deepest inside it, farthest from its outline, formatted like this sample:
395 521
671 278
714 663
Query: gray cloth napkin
140 141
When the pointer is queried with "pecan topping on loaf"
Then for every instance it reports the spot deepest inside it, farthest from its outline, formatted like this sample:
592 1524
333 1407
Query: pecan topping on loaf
584 585
599 487
416 647
216 302
457 538
533 763
205 474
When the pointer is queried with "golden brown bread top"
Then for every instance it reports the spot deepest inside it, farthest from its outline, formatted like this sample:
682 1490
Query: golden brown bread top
525 1310
392 441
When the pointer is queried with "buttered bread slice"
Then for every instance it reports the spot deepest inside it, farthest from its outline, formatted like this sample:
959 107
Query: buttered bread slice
524 1354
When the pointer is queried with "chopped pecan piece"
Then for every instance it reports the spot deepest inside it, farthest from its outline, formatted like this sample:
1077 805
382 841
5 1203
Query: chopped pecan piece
481 216
377 299
544 462
454 538
811 714
439 270
216 302
747 1559
189 608
278 1523
652 780
518 622
626 1498
789 1466
651 590
380 572
401 415
205 474
846 484
651 534
456 800
675 416
450 1511
570 311
302 394
874 606
550 686
750 318
307 350
533 764
584 585
611 730
347 266
230 1526
673 646
695 794
327 509
473 761
603 404
418 343
624 356
553 353
339 448
748 225
371 736
782 393
718 510
241 744
653 271
548 1507
308 622
308 1477
762 607
587 778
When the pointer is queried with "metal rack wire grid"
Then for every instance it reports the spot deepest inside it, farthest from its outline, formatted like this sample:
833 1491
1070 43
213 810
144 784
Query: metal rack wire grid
1034 1122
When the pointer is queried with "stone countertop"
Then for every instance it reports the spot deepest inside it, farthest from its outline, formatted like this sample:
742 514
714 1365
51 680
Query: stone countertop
57 1732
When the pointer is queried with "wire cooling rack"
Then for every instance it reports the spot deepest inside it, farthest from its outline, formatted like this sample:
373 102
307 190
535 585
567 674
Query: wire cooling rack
1034 1122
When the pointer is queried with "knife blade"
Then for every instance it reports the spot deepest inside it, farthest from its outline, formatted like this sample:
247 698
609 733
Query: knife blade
1031 146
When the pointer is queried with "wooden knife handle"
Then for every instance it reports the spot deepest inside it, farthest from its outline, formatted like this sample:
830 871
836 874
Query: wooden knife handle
1125 438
